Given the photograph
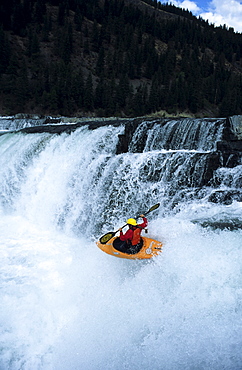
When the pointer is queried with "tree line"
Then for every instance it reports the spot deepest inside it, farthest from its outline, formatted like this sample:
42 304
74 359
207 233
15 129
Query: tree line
112 57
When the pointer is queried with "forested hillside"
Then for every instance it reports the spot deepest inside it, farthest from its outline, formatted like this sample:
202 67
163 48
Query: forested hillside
115 57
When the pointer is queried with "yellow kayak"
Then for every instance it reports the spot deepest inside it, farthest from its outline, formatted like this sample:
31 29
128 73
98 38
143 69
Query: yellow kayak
149 249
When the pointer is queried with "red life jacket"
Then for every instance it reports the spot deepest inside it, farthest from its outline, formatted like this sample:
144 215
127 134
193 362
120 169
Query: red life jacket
136 236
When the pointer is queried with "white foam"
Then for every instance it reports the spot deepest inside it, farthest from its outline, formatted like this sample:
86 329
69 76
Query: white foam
67 305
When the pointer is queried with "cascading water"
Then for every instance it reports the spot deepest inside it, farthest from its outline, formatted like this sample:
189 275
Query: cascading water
179 135
67 305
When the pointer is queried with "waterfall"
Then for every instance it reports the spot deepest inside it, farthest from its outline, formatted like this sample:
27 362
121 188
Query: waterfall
78 181
66 304
185 134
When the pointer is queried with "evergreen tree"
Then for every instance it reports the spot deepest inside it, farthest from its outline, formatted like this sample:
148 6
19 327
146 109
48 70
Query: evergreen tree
65 43
78 19
100 62
21 88
53 100
46 28
39 11
33 43
4 51
231 102
86 48
95 37
182 95
122 91
78 88
99 100
139 103
110 106
6 11
154 96
88 93
18 20
61 13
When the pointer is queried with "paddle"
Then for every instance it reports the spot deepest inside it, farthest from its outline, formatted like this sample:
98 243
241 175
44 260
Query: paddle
105 238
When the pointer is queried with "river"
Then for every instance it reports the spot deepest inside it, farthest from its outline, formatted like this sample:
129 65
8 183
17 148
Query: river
65 304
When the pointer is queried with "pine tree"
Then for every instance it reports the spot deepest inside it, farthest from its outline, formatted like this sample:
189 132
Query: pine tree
110 104
61 14
53 100
99 101
4 52
6 11
122 91
100 62
78 88
33 47
18 20
46 28
78 19
95 37
65 43
88 93
139 104
182 95
21 89
39 11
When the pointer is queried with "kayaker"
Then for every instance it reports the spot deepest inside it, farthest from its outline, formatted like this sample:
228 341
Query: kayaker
132 237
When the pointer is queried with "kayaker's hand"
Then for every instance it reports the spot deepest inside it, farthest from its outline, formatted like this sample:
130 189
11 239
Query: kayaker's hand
120 229
142 216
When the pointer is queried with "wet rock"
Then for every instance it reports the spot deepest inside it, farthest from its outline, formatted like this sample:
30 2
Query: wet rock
231 143
236 126
126 138
213 162
225 196
68 127
221 224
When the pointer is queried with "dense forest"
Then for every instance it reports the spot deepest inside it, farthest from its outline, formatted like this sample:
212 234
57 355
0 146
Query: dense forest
115 57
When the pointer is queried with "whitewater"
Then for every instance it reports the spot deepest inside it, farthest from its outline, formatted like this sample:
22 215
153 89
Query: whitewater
66 305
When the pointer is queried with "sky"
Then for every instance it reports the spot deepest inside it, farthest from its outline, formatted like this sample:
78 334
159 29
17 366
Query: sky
217 12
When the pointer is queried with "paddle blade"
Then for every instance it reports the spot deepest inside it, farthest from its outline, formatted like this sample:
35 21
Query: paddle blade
153 208
105 238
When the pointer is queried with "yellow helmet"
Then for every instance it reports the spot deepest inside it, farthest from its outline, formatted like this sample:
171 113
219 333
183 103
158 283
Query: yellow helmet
131 221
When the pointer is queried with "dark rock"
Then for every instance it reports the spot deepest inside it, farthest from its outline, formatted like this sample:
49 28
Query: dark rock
126 138
213 162
69 127
225 196
231 225
231 146
231 143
